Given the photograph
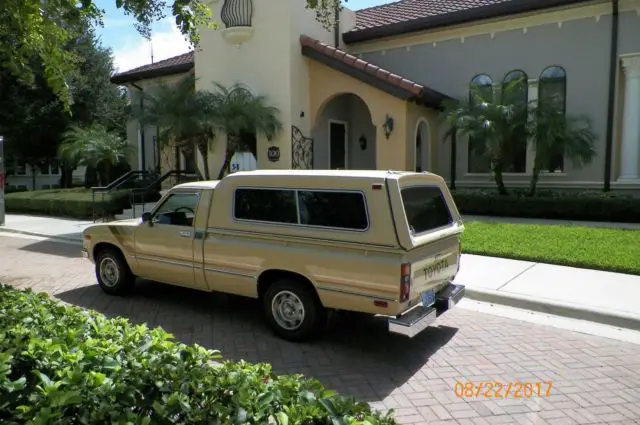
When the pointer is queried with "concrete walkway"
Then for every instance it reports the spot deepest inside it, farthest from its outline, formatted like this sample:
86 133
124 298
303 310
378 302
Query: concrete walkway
596 296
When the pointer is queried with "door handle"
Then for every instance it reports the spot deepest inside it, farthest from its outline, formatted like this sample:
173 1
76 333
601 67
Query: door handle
185 234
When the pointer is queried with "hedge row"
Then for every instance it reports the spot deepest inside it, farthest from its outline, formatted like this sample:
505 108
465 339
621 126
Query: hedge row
561 205
64 365
74 203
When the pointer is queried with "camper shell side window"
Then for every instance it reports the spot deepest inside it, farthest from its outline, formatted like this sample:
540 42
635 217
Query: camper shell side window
325 208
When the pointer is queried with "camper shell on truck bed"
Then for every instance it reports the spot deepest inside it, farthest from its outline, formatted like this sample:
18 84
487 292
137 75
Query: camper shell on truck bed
384 243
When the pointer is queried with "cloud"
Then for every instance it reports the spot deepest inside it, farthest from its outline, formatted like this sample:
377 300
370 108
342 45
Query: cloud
166 40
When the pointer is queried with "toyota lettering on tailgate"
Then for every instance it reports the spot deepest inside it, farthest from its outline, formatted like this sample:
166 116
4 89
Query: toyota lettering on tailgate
435 268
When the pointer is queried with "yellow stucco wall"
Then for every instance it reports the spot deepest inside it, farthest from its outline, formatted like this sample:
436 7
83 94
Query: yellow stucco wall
397 152
326 83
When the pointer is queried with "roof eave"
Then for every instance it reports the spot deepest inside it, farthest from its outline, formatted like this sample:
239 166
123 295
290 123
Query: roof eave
454 18
130 77
426 96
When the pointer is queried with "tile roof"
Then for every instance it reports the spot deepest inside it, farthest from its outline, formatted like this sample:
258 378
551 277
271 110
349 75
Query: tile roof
408 10
173 65
407 16
369 73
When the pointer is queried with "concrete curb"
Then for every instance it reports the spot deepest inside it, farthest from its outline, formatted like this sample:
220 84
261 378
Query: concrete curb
617 319
41 235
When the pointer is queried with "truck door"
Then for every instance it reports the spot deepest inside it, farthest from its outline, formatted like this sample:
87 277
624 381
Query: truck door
164 246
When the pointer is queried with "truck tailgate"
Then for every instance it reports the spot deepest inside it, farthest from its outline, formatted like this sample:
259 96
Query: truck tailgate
433 264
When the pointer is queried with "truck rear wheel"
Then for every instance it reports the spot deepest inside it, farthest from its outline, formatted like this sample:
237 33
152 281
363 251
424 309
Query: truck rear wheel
293 310
113 273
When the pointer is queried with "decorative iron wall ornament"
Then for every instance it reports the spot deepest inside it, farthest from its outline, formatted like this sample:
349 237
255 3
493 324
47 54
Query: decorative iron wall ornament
387 126
237 13
301 150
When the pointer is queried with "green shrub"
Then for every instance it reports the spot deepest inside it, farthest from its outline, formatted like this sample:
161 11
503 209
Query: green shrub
561 205
75 203
64 365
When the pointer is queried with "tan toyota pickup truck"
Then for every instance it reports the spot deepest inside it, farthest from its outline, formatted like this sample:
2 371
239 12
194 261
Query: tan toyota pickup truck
302 241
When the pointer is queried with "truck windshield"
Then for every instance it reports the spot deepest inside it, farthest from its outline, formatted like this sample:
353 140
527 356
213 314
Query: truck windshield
425 208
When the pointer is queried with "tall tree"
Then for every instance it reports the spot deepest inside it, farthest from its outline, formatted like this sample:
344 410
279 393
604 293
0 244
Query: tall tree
241 115
496 124
554 133
32 116
35 31
94 147
181 116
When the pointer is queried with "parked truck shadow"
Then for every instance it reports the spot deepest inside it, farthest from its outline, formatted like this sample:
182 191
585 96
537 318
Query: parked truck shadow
54 246
355 356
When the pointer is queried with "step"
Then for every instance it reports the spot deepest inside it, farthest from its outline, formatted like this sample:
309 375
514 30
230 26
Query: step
139 209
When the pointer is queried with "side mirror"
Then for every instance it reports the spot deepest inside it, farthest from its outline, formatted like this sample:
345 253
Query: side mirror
146 217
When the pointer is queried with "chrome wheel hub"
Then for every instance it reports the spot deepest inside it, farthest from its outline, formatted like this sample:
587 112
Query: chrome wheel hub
288 310
109 272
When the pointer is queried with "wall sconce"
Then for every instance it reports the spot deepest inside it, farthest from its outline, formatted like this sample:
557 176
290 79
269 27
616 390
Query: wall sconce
363 142
387 126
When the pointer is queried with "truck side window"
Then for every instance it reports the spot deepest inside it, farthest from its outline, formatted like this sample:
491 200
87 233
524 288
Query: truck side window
179 209
337 209
271 205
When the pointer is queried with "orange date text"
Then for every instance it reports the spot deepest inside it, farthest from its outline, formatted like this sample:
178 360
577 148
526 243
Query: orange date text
501 390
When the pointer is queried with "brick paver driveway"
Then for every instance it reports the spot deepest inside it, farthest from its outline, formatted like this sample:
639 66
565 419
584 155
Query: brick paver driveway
594 380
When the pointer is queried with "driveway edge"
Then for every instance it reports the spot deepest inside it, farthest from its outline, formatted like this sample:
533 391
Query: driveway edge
610 318
41 235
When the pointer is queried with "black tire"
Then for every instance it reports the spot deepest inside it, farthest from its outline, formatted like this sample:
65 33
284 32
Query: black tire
113 273
294 294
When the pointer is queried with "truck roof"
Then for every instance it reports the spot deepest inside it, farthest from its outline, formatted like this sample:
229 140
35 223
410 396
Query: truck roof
205 184
373 174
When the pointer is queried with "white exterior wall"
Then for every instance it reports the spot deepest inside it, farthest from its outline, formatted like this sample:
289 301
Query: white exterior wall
269 64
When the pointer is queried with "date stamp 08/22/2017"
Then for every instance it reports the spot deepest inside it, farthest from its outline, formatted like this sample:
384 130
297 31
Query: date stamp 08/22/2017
501 390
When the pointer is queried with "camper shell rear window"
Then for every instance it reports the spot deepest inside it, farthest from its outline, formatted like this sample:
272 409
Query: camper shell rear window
425 208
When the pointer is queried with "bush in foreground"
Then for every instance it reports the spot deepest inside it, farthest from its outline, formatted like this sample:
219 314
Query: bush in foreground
560 205
64 365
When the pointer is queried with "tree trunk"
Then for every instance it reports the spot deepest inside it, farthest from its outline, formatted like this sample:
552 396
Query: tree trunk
533 184
232 147
497 173
66 175
203 148
225 165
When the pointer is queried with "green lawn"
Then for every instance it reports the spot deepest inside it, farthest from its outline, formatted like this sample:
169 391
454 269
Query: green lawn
593 248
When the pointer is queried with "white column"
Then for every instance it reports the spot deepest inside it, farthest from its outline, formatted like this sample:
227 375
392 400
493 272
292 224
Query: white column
630 150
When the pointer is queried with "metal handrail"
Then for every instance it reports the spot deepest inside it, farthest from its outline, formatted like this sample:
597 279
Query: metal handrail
159 180
116 184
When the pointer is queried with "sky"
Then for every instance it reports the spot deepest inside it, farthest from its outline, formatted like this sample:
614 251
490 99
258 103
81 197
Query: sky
130 50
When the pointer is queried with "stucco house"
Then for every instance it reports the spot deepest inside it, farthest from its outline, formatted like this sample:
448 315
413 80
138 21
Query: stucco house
366 93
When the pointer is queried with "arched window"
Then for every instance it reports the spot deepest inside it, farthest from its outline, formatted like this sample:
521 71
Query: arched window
482 84
515 89
552 88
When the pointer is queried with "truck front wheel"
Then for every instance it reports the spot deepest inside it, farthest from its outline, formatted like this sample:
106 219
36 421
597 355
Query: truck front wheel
113 273
293 311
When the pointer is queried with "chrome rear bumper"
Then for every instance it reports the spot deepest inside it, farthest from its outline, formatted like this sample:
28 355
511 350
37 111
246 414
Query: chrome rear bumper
414 321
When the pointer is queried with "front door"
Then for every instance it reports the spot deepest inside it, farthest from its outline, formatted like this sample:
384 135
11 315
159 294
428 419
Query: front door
164 246
337 145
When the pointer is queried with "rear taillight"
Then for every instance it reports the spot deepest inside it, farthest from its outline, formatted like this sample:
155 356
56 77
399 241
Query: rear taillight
405 282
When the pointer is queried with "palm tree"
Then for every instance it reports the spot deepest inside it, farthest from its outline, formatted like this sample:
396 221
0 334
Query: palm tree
495 124
240 115
180 115
553 133
94 147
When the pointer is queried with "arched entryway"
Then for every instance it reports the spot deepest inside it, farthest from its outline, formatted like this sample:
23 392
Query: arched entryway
344 135
422 146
